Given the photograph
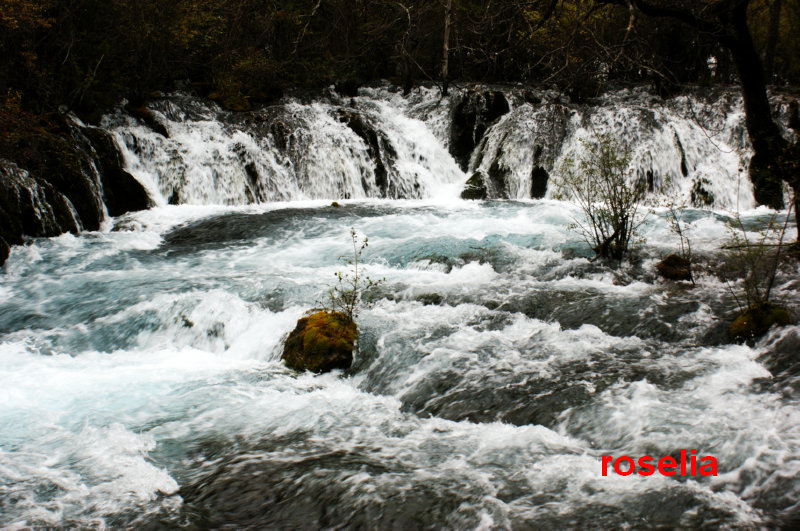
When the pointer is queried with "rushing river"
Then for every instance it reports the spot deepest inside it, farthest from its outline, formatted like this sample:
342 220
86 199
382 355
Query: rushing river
141 382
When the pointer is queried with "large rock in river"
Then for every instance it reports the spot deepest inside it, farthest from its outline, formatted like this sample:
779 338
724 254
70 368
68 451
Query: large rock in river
675 267
321 342
474 188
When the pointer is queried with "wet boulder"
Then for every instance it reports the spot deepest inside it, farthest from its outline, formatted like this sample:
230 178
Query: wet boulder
146 117
675 267
701 197
474 113
321 342
475 187
31 206
121 191
757 319
65 162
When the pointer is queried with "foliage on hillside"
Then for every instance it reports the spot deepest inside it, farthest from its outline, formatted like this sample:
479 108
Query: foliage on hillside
86 54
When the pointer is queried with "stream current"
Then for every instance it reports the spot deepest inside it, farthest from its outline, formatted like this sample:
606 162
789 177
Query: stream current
142 384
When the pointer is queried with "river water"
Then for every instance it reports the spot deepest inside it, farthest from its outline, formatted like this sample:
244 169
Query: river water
142 385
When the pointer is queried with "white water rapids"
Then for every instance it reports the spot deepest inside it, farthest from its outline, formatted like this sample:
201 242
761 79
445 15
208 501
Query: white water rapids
142 386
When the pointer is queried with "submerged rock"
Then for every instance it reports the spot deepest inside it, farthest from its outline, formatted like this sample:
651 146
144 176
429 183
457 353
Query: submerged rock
321 342
757 319
674 267
474 188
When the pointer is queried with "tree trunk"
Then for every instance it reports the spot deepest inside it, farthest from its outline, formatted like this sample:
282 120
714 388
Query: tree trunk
772 38
768 144
774 159
446 46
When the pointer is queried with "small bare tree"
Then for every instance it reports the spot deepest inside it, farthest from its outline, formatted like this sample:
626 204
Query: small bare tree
345 296
756 261
600 182
678 226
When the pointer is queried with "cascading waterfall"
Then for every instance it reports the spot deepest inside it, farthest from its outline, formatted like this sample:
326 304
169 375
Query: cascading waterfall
287 152
676 146
381 144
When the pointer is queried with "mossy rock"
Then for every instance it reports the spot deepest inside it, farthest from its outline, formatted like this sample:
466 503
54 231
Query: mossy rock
321 342
674 267
474 188
757 319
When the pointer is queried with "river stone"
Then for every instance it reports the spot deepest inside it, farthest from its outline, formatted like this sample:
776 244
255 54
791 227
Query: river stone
674 267
757 319
321 342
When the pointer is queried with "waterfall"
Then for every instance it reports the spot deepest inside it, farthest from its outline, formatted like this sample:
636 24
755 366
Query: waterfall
381 144
322 150
685 148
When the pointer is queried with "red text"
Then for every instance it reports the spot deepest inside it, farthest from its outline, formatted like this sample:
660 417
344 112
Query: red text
689 465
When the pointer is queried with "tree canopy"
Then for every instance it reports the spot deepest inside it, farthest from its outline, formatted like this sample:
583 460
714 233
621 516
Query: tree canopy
87 54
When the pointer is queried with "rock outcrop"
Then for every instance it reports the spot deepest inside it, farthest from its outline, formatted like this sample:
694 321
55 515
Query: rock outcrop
471 117
121 191
30 206
380 148
474 188
64 177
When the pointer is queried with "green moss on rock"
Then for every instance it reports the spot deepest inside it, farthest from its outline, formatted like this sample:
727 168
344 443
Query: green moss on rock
321 342
757 319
